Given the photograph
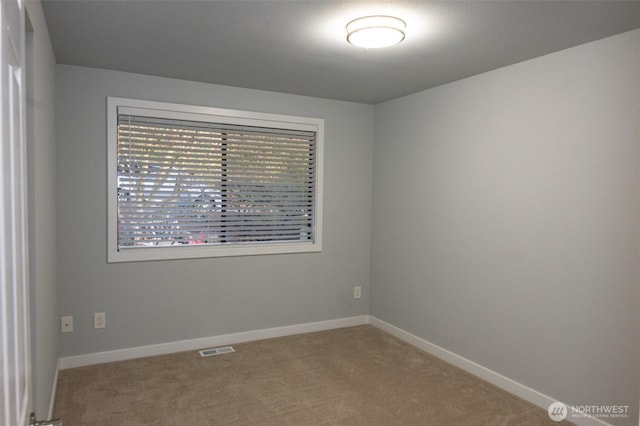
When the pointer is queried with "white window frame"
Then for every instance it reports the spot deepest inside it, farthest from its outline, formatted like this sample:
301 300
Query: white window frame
230 116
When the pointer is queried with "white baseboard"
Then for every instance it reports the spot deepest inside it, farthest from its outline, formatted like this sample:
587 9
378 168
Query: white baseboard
222 340
537 398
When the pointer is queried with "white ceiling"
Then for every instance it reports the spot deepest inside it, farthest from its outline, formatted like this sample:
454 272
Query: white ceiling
299 46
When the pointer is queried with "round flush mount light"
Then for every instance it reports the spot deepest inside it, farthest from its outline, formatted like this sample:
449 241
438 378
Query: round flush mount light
372 32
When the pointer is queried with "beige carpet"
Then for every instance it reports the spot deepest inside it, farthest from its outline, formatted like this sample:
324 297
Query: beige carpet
351 376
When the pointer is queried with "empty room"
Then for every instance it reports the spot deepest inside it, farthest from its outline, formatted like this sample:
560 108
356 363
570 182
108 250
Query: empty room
320 212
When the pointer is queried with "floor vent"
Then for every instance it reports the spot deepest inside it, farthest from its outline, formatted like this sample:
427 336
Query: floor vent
217 351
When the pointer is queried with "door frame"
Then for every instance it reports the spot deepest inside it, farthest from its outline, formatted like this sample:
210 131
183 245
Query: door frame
15 357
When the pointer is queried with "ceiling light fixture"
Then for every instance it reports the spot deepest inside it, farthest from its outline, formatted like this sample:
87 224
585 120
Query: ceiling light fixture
372 32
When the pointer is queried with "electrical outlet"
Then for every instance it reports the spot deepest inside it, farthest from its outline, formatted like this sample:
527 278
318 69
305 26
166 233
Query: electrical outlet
66 324
99 320
357 292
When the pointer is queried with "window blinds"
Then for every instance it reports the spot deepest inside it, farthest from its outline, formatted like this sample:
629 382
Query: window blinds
196 182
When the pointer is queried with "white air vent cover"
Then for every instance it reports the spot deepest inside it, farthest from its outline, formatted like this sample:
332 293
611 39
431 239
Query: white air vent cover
217 351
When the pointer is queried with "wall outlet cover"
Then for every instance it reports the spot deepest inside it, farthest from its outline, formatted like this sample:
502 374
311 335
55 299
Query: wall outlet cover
99 320
66 324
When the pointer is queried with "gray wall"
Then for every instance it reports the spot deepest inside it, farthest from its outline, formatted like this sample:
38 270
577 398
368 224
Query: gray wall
505 220
165 301
42 208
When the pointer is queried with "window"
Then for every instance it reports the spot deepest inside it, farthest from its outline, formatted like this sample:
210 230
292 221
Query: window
188 181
